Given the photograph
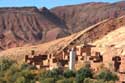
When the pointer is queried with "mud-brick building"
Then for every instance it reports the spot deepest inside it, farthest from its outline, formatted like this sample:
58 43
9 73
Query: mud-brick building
41 61
83 53
122 69
96 60
119 66
50 61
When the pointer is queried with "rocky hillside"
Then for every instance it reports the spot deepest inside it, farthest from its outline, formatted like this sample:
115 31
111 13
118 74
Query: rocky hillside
30 25
19 26
90 35
78 17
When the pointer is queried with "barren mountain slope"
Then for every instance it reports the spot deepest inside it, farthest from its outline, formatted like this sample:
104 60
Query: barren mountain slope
78 17
113 44
115 39
19 26
26 25
91 34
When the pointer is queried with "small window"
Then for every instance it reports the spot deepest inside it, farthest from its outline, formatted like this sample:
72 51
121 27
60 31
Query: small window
82 58
54 60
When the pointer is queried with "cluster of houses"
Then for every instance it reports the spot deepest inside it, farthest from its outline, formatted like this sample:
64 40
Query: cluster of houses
74 58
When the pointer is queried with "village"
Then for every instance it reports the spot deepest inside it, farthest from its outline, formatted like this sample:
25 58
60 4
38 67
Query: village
74 57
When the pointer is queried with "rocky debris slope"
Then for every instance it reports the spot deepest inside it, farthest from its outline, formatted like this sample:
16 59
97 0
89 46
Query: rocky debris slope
78 17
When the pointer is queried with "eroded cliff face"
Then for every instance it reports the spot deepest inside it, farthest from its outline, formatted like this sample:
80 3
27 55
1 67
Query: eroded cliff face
78 17
93 34
30 25
19 26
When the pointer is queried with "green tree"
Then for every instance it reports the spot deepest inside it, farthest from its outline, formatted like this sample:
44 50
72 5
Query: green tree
6 64
28 75
20 79
107 75
55 73
69 73
10 74
82 74
27 66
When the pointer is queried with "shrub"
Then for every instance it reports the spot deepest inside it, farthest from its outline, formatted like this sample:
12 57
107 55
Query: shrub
27 66
5 64
69 80
107 75
56 74
51 73
88 80
2 80
28 75
11 74
110 82
69 73
82 74
48 80
20 80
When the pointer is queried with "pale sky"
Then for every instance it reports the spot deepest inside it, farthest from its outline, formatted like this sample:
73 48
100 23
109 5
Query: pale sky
46 3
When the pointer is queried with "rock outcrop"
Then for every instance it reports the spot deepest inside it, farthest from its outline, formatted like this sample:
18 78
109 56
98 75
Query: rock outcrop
19 26
78 17
30 25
